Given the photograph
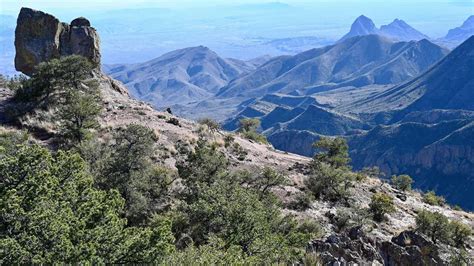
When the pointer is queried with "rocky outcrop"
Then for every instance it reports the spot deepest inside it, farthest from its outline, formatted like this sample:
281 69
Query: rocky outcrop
40 37
355 247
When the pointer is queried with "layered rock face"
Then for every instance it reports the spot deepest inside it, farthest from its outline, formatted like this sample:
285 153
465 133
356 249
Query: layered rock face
40 37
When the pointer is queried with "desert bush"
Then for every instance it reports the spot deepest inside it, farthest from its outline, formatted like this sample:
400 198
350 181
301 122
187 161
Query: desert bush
402 182
431 198
332 151
330 176
433 224
228 140
380 205
211 124
237 208
302 202
460 233
78 116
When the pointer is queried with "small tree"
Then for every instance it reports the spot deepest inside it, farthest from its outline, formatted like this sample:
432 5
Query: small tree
78 116
248 124
460 233
433 224
54 78
333 151
330 173
248 128
380 205
402 182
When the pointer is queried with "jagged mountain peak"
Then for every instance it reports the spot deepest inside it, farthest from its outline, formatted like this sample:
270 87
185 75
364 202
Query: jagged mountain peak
361 26
398 30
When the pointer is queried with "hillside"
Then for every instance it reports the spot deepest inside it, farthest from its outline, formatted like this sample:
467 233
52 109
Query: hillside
179 77
446 85
357 61
456 36
400 30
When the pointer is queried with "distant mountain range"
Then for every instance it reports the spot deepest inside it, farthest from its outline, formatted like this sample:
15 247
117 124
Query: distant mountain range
458 35
397 30
447 85
402 31
358 61
181 76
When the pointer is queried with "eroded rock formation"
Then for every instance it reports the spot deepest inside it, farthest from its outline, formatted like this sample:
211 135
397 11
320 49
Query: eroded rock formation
354 247
40 37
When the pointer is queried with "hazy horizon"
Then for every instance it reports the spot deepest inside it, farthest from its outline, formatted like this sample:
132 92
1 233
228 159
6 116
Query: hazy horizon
137 31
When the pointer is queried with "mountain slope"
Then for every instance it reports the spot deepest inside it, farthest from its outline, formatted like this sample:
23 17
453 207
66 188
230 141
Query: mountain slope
180 76
400 30
447 85
357 61
460 34
439 156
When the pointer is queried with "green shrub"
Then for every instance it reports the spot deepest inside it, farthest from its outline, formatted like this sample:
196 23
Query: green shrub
460 233
248 124
431 198
51 213
54 78
78 116
402 182
211 254
228 140
330 176
253 135
238 208
380 205
433 224
460 258
302 202
329 183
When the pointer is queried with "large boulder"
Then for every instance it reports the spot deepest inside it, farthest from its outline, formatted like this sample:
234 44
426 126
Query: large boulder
40 37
